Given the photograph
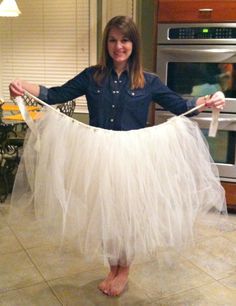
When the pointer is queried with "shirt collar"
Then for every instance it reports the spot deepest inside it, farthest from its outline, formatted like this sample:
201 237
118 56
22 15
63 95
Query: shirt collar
113 72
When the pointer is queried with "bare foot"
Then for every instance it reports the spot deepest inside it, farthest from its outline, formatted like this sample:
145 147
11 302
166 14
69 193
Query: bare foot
104 286
119 283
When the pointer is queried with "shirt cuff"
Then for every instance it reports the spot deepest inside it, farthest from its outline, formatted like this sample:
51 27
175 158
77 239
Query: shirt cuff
43 93
191 104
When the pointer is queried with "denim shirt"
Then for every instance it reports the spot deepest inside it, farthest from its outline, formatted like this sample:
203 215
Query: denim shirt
113 105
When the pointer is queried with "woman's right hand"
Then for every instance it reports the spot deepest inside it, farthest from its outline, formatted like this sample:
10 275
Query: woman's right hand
16 88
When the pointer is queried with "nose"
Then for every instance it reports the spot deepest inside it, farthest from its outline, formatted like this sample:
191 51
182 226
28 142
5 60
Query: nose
119 45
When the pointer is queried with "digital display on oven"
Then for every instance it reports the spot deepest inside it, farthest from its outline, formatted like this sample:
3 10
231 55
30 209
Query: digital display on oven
202 33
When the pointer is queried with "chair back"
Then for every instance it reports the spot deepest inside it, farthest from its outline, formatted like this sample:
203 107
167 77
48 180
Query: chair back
29 101
67 108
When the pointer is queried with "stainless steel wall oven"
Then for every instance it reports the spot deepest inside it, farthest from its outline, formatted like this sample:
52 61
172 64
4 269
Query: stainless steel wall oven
196 60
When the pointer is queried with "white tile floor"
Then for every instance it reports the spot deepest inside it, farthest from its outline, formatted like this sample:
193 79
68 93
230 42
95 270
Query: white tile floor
33 273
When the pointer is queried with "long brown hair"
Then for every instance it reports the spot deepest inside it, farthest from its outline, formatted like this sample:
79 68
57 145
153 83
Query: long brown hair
135 69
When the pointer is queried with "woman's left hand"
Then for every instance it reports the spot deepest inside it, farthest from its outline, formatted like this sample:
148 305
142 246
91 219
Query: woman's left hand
217 100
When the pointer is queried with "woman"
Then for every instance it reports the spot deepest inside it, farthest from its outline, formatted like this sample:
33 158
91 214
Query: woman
118 94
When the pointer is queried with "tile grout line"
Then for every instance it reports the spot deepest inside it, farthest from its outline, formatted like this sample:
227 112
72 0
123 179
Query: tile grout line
183 259
185 290
7 290
201 269
34 264
213 279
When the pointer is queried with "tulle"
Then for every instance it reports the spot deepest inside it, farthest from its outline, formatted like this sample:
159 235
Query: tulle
117 195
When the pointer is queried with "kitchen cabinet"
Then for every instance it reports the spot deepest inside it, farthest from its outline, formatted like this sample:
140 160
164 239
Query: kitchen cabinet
172 11
196 12
230 190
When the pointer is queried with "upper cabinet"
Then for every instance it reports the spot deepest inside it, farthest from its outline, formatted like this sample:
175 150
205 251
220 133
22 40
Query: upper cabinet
172 11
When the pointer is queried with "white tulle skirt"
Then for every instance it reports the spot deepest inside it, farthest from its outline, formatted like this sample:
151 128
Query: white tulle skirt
117 194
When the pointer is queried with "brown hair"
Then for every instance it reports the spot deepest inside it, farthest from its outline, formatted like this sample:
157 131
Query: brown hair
128 28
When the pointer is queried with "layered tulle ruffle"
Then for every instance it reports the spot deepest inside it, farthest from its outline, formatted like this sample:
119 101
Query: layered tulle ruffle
115 194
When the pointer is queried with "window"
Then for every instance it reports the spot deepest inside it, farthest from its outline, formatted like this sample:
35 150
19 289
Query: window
49 43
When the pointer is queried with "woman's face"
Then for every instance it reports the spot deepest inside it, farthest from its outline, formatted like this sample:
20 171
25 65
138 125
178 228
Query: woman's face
119 47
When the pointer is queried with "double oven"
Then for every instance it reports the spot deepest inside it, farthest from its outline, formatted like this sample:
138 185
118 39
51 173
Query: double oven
197 60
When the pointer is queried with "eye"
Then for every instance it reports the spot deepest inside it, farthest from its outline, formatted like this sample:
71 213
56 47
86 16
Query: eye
124 40
111 40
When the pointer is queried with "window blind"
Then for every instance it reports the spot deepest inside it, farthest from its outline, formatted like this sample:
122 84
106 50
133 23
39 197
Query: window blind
49 43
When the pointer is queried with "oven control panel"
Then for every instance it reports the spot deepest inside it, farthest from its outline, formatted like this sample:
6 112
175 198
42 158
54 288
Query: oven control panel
203 33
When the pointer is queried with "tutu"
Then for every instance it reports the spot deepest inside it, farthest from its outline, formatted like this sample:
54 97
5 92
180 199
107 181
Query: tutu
117 194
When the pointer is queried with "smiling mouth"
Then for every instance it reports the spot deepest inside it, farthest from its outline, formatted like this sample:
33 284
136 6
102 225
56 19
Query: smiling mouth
118 54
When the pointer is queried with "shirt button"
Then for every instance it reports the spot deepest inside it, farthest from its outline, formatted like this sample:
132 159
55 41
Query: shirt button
132 93
111 120
113 91
98 90
117 91
120 81
115 81
113 106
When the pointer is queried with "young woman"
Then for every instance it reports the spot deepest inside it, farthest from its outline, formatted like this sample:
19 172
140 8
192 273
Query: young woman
118 94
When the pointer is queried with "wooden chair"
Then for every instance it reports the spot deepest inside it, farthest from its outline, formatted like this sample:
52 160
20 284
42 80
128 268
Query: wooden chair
67 108
29 101
9 160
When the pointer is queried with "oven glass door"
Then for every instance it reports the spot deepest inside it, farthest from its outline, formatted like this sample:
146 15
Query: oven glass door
222 147
223 151
198 70
200 79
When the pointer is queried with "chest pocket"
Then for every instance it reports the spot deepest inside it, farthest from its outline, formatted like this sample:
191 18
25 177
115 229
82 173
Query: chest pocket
136 98
95 94
95 91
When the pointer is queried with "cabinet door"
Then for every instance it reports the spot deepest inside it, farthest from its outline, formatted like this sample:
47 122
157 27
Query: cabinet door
230 192
172 11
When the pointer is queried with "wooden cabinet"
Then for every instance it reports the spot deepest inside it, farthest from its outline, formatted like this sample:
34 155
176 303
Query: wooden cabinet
175 11
230 189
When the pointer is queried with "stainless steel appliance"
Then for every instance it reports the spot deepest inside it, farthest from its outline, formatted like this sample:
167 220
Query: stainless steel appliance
197 60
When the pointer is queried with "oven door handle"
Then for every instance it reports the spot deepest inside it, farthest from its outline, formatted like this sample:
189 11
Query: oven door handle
208 54
210 118
213 50
228 124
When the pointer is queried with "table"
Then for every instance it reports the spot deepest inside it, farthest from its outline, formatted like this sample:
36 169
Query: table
11 112
9 160
12 133
12 107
